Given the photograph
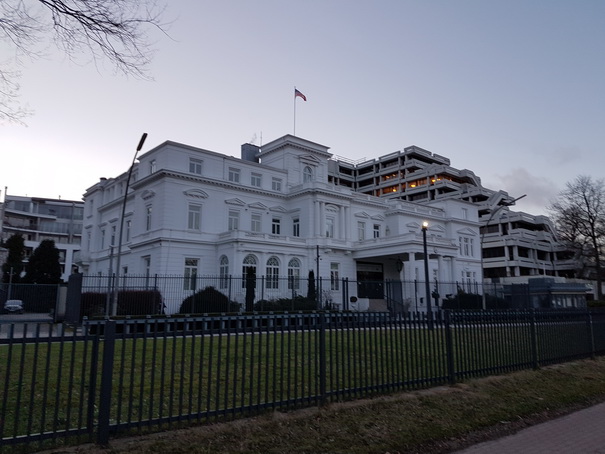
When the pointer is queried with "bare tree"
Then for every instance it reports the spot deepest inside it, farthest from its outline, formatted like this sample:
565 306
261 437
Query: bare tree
113 29
579 215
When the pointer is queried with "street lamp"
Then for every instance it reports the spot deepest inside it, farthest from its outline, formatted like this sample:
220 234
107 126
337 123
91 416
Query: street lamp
425 226
114 308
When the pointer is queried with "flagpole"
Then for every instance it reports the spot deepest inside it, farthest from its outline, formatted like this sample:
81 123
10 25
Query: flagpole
294 111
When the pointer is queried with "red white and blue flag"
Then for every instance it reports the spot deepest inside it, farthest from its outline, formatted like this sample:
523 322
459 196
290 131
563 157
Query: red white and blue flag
299 94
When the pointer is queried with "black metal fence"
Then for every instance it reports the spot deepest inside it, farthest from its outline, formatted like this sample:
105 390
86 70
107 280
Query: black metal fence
36 298
152 295
65 386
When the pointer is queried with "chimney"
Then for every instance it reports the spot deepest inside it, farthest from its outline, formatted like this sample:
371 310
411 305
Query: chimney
250 152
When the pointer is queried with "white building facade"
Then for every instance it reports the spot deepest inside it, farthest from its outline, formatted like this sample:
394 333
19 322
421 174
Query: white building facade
194 212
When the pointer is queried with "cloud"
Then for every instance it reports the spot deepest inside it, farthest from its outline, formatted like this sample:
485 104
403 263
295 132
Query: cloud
540 191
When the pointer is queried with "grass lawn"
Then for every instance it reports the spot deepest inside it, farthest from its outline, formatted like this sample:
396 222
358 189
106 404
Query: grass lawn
436 420
164 382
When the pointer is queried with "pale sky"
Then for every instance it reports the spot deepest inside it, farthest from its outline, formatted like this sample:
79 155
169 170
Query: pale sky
512 90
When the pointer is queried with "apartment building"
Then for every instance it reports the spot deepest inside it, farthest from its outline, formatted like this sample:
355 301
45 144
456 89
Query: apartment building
38 219
513 243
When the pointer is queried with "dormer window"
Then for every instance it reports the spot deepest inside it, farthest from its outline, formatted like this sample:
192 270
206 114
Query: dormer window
307 174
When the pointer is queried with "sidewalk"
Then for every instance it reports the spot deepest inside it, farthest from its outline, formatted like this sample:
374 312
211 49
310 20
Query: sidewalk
582 432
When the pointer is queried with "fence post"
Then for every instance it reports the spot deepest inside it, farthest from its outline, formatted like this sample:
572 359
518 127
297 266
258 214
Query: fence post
106 382
322 359
449 348
534 339
92 387
590 334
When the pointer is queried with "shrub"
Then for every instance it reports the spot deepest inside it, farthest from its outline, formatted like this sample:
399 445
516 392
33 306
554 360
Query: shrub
92 304
207 300
463 300
298 303
130 302
140 302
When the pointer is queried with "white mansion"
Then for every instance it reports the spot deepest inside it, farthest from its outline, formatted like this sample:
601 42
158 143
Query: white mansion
279 209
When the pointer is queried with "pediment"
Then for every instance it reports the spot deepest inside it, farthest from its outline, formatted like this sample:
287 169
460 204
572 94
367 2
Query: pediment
466 231
235 201
413 227
278 209
309 159
257 206
362 214
196 193
378 217
332 208
147 194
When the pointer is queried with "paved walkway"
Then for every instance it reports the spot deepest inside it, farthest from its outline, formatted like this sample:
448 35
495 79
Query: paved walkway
582 432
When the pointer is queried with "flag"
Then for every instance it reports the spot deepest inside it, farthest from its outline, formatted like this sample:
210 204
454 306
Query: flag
299 94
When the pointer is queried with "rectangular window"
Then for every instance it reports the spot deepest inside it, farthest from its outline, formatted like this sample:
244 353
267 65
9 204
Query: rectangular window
256 180
102 239
147 268
329 227
296 227
466 246
128 226
148 212
152 166
361 230
276 184
334 276
224 273
233 220
113 236
190 282
256 222
234 175
276 226
195 166
194 219
376 230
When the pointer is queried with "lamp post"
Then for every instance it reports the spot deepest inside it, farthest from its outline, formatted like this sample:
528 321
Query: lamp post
114 306
425 226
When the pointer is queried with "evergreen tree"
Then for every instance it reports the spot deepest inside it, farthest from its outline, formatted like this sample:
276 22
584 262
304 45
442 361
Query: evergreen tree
16 251
44 266
311 292
250 288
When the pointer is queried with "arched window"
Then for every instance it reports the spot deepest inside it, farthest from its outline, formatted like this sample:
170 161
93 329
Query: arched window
307 174
223 272
294 274
272 273
249 262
